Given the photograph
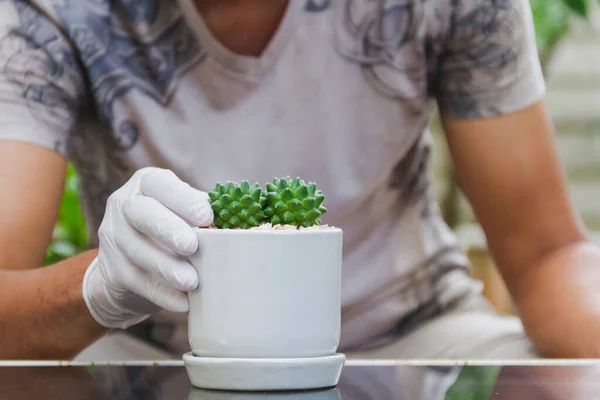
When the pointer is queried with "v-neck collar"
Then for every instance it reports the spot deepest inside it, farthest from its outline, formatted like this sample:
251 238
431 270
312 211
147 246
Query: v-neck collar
237 62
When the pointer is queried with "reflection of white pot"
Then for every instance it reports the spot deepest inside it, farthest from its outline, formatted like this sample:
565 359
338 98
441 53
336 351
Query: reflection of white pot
329 394
266 293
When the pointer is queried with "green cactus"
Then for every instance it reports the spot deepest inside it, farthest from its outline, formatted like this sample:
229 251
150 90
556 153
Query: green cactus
293 202
237 206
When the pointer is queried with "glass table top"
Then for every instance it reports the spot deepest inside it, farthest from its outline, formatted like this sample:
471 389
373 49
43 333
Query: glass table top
24 381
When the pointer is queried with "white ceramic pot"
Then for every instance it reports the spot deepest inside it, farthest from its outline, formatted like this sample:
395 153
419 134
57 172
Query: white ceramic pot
266 293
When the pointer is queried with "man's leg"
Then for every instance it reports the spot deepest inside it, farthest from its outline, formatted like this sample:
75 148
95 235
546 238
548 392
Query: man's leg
471 330
397 383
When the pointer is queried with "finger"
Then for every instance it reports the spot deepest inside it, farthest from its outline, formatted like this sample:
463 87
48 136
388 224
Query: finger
159 223
150 287
189 203
171 269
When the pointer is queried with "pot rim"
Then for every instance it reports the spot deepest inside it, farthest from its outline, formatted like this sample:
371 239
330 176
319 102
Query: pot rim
268 232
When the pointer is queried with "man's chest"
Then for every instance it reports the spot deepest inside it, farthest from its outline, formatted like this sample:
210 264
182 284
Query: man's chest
150 48
320 119
330 96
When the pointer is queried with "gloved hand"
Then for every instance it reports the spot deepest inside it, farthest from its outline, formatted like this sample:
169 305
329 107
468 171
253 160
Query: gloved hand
143 239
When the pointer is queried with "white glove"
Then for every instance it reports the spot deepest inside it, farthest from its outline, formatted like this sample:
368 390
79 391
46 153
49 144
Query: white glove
143 239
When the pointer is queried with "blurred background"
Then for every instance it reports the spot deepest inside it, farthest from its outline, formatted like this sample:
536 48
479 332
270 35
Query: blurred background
568 37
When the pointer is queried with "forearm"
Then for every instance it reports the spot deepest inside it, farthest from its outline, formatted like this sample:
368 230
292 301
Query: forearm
559 302
43 314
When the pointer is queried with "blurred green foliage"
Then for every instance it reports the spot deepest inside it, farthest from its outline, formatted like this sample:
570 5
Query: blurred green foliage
69 236
474 383
552 21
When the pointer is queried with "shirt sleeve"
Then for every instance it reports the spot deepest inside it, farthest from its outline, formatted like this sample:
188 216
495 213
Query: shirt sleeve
489 64
41 85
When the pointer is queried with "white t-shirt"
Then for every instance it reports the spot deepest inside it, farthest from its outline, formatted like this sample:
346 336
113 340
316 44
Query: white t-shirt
341 96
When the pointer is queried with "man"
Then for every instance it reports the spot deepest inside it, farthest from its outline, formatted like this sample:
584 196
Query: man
156 101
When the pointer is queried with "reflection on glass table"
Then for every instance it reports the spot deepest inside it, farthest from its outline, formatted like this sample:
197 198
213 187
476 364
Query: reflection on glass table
357 383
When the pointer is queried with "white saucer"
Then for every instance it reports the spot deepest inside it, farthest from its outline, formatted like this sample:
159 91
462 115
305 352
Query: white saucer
264 374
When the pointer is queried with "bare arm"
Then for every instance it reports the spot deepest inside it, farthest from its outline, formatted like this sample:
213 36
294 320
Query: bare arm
509 170
42 311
